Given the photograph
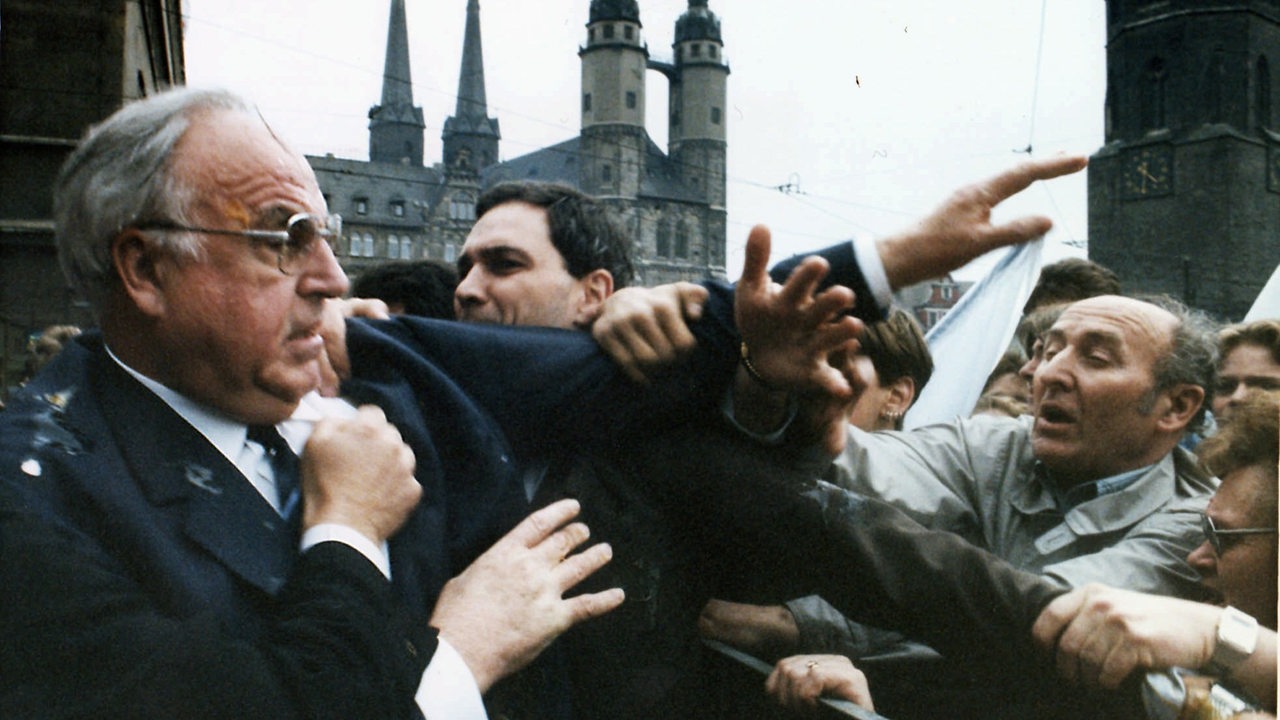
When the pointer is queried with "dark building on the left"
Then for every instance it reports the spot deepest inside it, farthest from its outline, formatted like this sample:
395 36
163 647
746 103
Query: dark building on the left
63 67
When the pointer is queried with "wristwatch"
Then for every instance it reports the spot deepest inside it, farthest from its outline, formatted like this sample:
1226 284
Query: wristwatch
1236 639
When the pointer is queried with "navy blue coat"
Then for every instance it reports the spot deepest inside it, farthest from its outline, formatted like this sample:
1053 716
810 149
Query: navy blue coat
141 576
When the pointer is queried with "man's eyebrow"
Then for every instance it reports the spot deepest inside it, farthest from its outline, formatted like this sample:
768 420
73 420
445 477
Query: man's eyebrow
1112 342
493 252
1104 338
273 218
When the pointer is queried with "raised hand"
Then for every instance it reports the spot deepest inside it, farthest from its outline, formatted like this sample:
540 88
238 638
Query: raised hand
960 229
792 329
508 605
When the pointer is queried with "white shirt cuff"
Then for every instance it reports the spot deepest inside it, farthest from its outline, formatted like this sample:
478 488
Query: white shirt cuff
448 690
872 267
325 532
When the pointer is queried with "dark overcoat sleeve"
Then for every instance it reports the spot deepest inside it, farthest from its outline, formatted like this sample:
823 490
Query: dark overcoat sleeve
844 271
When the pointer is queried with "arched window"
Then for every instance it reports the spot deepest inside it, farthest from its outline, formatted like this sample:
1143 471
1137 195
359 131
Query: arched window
687 230
1153 91
663 248
462 208
393 246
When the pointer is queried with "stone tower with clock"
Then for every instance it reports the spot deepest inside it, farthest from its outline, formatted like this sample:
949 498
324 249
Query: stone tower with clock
1184 197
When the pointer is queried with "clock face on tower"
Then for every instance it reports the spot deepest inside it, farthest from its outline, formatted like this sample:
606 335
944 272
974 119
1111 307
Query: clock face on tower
1146 172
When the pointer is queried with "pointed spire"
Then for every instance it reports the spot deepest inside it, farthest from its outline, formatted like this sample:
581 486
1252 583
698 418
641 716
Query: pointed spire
397 87
470 135
471 98
395 126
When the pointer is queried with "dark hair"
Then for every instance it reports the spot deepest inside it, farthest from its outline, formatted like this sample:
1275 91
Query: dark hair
421 287
897 349
1036 323
581 229
1070 280
1009 364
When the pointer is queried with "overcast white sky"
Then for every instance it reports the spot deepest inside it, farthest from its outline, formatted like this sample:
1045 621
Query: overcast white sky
873 109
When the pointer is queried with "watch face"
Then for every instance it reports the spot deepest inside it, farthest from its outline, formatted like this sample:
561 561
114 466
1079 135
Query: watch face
1147 172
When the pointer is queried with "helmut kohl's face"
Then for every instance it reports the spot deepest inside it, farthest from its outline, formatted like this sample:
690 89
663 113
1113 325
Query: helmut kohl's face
230 329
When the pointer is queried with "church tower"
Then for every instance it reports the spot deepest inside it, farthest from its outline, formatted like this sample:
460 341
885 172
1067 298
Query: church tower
614 142
696 137
395 126
470 135
1184 197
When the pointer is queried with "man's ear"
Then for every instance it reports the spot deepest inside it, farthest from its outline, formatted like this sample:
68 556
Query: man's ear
135 260
597 286
901 393
1182 402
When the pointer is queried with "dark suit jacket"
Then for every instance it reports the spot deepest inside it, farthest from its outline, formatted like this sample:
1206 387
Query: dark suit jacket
141 576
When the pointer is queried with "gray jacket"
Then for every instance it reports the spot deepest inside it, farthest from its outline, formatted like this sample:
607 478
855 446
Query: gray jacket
978 477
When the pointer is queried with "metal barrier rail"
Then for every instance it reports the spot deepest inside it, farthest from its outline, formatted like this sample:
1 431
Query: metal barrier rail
739 681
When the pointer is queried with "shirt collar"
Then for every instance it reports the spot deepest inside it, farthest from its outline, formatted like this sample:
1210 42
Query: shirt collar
228 435
222 432
1069 497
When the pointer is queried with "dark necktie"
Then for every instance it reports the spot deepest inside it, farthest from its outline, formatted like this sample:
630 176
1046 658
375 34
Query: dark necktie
284 464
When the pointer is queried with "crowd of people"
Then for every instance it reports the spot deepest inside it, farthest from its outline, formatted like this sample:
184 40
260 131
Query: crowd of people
241 495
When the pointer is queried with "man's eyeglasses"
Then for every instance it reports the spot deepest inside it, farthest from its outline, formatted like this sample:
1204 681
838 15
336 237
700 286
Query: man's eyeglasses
1215 536
291 245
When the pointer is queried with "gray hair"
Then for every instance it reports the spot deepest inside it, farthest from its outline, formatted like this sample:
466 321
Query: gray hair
119 176
1192 358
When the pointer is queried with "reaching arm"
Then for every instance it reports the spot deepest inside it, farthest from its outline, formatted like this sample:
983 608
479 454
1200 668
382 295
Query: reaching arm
960 229
1101 635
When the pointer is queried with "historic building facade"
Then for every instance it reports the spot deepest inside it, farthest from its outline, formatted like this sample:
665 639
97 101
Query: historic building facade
672 204
63 67
1184 197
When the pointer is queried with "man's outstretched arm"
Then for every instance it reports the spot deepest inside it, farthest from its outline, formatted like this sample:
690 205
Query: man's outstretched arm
643 328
